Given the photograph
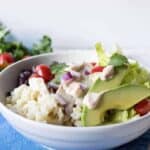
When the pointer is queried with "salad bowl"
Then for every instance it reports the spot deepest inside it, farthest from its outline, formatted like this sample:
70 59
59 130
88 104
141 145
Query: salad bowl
62 137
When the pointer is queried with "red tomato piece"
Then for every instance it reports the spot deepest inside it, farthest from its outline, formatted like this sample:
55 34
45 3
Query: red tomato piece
97 69
143 107
44 71
6 59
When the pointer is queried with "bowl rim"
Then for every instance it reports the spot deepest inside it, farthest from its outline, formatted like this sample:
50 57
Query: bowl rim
46 125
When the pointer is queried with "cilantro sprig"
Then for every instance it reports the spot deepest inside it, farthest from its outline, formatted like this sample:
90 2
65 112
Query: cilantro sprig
118 60
18 49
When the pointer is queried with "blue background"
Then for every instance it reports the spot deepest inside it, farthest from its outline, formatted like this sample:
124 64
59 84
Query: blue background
11 140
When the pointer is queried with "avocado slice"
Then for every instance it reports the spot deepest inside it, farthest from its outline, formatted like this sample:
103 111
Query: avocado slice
100 85
121 98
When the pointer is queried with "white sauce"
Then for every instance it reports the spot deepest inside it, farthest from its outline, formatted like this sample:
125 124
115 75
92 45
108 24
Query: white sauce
107 72
92 99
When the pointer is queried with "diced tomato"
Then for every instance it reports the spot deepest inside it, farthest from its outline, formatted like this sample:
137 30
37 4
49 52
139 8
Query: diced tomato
6 59
143 107
97 69
44 71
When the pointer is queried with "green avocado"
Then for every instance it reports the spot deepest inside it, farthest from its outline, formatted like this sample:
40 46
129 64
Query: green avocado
121 98
100 85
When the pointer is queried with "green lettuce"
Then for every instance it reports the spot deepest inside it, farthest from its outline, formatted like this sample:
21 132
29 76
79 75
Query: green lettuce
137 75
118 116
102 56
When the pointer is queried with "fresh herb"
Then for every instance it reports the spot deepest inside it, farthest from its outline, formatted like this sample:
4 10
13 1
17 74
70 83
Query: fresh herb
3 32
18 50
118 60
58 69
44 46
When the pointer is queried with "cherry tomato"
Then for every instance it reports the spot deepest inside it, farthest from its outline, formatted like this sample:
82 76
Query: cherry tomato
6 59
143 107
44 71
97 69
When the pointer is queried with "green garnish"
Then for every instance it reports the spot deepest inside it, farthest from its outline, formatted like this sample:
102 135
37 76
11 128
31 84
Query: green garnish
118 60
44 46
58 69
18 50
3 32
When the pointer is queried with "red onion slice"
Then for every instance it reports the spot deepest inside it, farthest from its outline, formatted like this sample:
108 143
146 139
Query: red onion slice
86 72
67 76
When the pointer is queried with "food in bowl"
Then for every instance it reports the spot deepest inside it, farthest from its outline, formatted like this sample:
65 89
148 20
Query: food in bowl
111 90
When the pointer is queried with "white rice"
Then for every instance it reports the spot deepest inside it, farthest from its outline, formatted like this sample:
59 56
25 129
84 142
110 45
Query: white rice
32 104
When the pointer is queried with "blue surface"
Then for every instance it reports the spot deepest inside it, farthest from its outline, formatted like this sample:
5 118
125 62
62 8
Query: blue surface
11 140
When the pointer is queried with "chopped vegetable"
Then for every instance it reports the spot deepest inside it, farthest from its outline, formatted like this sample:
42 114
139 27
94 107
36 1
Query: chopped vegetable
119 116
102 56
97 69
6 59
58 69
132 113
44 71
67 76
136 75
118 60
3 32
44 46
143 107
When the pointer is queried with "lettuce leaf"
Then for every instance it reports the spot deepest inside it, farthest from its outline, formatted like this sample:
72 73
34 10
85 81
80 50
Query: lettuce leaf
102 56
117 116
137 75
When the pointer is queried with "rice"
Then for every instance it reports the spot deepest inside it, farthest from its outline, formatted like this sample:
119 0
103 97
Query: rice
36 102
33 104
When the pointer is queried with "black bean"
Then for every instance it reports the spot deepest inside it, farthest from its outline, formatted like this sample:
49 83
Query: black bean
24 76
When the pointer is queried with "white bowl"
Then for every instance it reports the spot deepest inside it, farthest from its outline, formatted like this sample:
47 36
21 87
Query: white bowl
61 137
